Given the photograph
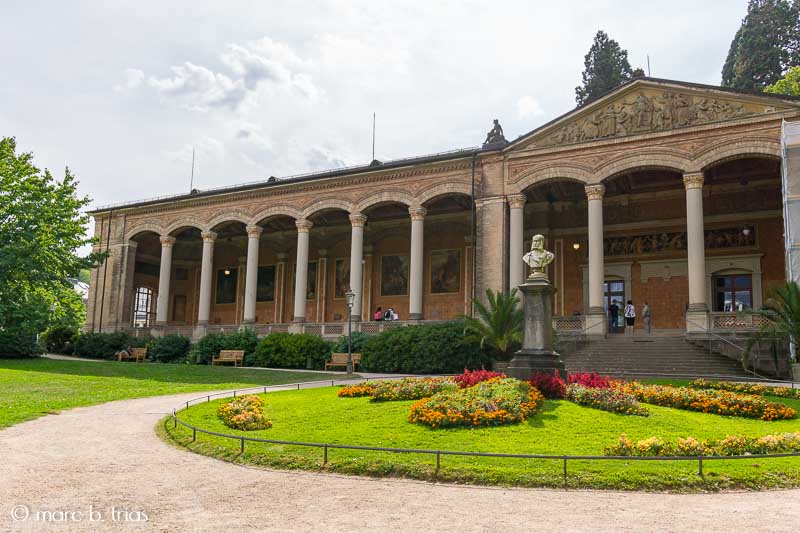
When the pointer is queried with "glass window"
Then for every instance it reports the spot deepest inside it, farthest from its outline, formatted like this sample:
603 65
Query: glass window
143 315
734 293
265 288
226 285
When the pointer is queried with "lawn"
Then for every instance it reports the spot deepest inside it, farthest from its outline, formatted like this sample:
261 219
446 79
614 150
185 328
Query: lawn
318 415
30 388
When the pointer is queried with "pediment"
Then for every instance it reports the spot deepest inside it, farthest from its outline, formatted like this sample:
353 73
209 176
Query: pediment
646 106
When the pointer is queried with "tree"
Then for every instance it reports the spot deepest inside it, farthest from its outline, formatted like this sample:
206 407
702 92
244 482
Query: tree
605 68
765 45
41 229
499 325
781 325
789 84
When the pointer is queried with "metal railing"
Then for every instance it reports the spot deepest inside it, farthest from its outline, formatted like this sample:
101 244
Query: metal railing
327 446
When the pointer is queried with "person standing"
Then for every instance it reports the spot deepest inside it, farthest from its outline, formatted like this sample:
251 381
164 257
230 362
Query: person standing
378 315
630 317
613 314
646 317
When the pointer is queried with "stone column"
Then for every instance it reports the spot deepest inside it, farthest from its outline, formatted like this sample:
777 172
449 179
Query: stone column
595 315
251 280
162 303
415 284
357 220
697 314
301 270
206 278
516 268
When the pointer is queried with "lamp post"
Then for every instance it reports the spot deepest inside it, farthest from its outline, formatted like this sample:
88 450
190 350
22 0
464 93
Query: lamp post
350 297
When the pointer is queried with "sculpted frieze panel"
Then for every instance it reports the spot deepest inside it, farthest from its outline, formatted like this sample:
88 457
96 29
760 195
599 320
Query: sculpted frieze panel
675 241
650 111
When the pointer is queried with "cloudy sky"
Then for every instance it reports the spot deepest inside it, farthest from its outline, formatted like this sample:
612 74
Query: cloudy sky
122 91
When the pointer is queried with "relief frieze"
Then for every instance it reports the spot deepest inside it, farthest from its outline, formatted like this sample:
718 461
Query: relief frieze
666 242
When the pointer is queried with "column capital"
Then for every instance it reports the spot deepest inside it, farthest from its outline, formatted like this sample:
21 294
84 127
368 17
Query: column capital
322 253
417 213
595 192
516 201
303 225
358 220
693 180
254 231
167 241
282 257
209 236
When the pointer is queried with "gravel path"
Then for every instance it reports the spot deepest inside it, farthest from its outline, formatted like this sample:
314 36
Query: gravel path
107 457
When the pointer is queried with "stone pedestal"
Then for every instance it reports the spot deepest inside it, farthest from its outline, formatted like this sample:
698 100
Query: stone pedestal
537 353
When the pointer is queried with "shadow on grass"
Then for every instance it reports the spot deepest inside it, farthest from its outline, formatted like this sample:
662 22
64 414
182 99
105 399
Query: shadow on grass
164 372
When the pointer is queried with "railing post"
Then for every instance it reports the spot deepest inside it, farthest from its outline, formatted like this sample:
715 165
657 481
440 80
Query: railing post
175 419
194 434
234 394
565 473
325 458
700 465
438 461
241 449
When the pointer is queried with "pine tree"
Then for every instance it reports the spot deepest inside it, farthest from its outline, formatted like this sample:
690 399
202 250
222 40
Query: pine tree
606 66
765 46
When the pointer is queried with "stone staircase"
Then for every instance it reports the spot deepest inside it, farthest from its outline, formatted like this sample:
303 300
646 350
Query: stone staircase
663 353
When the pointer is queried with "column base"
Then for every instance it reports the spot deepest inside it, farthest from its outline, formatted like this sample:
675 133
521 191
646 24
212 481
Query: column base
415 316
697 320
199 331
595 324
296 327
249 321
526 363
355 318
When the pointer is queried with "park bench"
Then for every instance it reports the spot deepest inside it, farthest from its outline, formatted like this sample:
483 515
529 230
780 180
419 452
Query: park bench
228 356
340 359
136 354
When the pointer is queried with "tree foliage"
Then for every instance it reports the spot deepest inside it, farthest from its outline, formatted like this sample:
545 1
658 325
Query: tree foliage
789 84
498 325
41 230
765 46
606 66
782 324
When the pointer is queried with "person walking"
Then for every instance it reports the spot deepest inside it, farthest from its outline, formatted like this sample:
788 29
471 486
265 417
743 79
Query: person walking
630 317
646 317
613 315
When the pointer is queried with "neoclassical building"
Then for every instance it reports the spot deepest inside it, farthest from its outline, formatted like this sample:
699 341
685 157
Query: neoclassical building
661 191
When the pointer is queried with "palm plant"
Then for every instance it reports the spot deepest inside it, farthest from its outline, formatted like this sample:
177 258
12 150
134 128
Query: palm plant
782 320
497 325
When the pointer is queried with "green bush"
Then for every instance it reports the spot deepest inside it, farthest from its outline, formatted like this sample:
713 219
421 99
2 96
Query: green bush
16 344
60 339
358 339
287 350
427 349
212 343
102 345
168 349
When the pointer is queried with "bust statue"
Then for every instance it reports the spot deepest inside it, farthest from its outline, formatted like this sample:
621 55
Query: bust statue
538 258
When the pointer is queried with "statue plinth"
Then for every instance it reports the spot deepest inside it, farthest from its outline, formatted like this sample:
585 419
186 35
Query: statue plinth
537 353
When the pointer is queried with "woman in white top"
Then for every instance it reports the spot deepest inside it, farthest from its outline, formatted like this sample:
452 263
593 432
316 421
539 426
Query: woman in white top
630 317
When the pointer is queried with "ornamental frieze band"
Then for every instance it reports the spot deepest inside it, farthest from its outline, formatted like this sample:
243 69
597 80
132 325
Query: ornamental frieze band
653 243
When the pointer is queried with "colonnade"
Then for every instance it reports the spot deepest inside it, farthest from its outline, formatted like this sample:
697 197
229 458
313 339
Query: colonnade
304 226
697 314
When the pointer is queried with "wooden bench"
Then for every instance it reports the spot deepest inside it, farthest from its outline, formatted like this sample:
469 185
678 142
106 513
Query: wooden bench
138 355
229 356
340 359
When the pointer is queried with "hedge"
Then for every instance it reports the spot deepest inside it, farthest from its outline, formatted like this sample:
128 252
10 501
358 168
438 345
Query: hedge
60 339
288 350
105 345
426 349
171 348
15 345
212 343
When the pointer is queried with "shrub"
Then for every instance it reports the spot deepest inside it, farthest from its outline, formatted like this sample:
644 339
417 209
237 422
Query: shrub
426 349
60 339
611 400
746 388
472 378
168 349
411 388
103 345
490 403
691 447
592 381
17 344
357 342
357 391
550 385
245 413
289 350
708 401
212 343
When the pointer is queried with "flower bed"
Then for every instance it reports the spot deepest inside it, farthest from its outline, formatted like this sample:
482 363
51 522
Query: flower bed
490 403
707 401
411 388
245 413
612 400
356 391
550 385
591 380
746 388
470 378
691 447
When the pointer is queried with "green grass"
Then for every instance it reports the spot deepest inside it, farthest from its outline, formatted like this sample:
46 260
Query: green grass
30 388
318 415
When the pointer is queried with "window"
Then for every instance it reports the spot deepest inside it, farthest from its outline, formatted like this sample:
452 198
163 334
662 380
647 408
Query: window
143 316
265 288
226 285
733 293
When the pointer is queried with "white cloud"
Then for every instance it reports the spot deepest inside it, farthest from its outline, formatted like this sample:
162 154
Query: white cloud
198 88
528 107
131 79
